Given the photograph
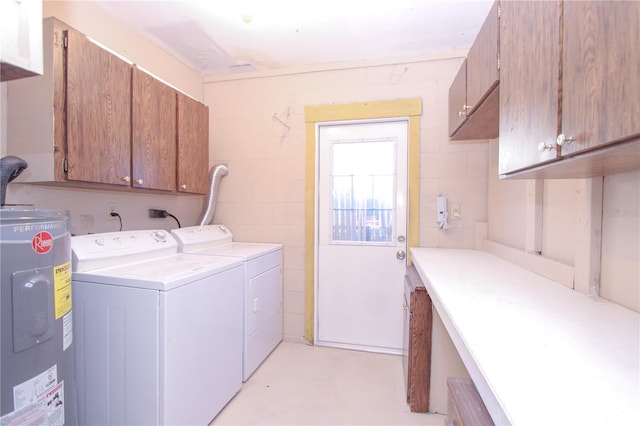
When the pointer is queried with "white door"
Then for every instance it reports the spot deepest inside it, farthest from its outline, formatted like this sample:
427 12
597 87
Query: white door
362 193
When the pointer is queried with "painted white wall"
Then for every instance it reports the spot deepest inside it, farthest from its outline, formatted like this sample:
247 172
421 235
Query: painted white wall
558 219
620 252
506 206
620 274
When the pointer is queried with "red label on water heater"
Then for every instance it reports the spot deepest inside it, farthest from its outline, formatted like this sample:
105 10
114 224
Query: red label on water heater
42 242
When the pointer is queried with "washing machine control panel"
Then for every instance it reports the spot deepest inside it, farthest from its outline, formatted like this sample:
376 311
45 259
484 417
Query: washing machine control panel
206 235
112 248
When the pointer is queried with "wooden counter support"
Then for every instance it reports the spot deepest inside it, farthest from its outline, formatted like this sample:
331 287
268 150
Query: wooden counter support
464 405
418 324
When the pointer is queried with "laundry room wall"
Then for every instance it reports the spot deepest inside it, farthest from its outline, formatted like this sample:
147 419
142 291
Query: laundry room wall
565 204
263 197
88 207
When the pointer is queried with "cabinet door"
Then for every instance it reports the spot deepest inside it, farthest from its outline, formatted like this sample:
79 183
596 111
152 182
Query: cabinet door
458 99
193 146
482 61
153 133
601 66
529 73
98 113
477 108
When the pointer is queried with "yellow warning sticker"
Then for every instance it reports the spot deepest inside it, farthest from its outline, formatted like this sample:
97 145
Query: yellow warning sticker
62 288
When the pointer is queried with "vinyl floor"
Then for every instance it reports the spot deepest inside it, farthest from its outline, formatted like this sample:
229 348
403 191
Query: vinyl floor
300 384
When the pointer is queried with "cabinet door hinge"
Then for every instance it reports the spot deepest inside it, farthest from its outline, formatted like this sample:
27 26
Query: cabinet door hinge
65 40
498 11
65 165
498 64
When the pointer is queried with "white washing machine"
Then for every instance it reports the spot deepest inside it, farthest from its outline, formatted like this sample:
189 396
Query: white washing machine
158 334
262 325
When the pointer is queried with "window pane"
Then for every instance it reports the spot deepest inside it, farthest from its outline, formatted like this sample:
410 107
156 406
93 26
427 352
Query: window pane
363 191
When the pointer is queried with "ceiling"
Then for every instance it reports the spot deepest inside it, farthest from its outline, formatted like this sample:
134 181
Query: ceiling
225 36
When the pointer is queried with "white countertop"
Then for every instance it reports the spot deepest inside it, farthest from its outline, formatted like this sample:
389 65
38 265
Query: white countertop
538 352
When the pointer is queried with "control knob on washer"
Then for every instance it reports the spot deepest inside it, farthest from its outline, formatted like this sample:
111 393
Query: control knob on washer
159 236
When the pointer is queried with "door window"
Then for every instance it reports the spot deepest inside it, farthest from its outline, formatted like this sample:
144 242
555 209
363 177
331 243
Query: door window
363 192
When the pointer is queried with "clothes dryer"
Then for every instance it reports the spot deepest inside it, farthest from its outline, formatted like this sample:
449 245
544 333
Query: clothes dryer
158 333
262 304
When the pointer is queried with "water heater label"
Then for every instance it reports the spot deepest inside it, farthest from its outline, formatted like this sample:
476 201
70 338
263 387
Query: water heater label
62 288
67 331
42 242
27 393
38 401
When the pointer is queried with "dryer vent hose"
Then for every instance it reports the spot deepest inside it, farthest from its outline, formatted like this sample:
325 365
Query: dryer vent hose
209 208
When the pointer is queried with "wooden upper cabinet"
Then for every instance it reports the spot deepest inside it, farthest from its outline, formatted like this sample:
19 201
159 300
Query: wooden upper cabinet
193 146
475 115
601 73
577 84
98 113
94 120
153 138
529 52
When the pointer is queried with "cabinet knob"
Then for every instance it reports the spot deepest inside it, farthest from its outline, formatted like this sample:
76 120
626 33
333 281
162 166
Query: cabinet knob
544 147
562 139
183 186
126 178
139 181
465 110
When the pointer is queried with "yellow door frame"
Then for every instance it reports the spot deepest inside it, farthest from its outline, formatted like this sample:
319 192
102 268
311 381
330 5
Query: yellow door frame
410 108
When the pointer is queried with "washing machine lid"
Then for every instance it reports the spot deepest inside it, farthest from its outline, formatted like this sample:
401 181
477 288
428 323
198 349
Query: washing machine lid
162 273
245 251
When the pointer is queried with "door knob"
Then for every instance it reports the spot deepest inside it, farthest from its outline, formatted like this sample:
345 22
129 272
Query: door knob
400 255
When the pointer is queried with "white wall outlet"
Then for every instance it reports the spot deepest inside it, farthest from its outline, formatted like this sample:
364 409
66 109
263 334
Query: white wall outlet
112 208
455 212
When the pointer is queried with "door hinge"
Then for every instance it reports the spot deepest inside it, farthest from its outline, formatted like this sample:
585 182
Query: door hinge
65 40
498 64
499 11
65 165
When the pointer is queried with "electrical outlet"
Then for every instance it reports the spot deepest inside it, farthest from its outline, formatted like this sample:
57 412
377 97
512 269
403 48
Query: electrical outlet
112 208
455 212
